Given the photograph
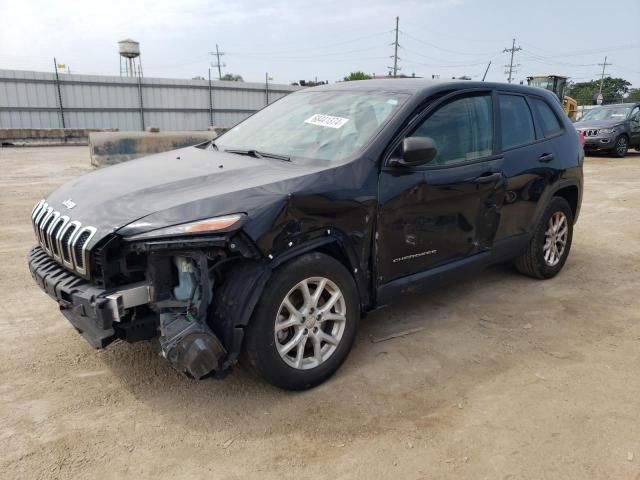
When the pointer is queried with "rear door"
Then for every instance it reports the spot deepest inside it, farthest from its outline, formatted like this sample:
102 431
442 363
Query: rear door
634 126
531 156
447 209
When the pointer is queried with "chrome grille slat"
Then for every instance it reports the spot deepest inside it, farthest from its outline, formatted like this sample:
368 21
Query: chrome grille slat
62 222
78 243
44 213
64 240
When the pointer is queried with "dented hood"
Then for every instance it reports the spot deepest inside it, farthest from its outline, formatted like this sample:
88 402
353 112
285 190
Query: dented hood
175 187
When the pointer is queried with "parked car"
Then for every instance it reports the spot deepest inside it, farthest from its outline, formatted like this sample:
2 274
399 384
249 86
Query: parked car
270 243
611 128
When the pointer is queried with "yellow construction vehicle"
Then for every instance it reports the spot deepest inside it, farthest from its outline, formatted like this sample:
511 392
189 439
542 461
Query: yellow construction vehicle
557 85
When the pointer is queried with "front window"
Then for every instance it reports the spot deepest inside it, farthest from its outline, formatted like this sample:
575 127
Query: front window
461 130
318 125
606 113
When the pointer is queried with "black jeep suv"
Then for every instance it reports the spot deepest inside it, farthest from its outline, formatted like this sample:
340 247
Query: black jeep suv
270 243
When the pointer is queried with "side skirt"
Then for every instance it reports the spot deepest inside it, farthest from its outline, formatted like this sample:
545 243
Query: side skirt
433 278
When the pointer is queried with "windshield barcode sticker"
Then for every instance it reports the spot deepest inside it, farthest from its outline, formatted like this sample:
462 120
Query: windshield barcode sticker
326 120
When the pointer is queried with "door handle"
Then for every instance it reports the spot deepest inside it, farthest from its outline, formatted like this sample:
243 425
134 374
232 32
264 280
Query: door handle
493 177
545 157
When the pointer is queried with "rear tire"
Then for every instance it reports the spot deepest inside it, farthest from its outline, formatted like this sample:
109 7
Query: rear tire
549 247
297 337
621 146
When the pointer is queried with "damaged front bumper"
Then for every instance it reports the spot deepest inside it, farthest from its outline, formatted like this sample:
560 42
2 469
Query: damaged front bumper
102 316
87 307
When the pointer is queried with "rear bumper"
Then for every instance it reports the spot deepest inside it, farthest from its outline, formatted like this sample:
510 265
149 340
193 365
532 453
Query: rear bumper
85 306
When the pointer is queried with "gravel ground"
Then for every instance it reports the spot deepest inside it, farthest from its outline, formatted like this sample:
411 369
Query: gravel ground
510 378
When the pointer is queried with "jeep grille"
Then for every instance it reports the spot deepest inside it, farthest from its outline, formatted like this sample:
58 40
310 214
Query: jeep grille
63 239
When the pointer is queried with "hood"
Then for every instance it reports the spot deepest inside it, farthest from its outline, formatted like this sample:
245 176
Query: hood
177 186
598 124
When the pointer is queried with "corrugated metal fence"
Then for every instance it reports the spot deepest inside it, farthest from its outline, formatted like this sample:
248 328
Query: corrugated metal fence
39 100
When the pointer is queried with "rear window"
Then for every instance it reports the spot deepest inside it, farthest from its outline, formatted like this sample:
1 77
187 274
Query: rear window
548 121
516 122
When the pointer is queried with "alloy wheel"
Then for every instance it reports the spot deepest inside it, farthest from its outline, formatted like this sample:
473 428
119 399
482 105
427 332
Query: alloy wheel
621 146
555 238
310 323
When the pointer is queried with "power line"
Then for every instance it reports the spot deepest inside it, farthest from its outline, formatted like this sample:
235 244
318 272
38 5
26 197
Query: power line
461 63
302 57
513 50
447 65
595 51
550 61
444 49
317 47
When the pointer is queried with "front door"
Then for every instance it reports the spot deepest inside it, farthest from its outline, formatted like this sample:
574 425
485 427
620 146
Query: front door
449 208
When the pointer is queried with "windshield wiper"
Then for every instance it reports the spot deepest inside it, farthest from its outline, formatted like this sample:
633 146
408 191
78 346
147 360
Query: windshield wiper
258 154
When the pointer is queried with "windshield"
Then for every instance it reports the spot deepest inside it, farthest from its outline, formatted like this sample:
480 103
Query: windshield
607 113
319 125
545 83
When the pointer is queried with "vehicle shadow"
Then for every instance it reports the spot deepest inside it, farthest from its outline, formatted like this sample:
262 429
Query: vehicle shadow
418 369
630 153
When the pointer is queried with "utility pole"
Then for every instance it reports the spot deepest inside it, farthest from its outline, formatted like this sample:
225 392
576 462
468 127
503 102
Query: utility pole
395 51
210 101
513 50
218 64
55 65
604 65
266 87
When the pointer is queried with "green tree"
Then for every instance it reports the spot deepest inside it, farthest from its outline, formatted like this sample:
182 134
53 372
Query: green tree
634 95
357 76
230 77
613 90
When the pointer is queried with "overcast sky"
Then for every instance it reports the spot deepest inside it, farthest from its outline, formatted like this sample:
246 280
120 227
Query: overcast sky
327 39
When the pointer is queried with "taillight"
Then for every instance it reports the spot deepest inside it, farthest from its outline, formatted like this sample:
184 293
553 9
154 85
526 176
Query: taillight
582 140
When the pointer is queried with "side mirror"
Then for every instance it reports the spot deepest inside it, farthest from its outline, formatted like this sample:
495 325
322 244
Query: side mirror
418 151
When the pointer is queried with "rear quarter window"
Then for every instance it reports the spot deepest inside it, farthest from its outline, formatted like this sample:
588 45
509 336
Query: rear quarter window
516 122
549 123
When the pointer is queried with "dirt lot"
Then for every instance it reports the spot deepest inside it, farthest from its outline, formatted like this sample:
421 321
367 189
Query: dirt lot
510 378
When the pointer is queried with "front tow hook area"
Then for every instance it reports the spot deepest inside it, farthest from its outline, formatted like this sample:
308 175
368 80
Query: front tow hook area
190 346
198 355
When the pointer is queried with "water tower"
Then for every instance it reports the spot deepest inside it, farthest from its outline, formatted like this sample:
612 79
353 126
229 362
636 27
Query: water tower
130 63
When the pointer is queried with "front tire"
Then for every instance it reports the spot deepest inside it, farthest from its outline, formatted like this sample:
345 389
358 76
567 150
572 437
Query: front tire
549 247
621 146
304 324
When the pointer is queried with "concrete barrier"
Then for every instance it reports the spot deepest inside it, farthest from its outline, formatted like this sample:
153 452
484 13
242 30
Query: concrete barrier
109 148
45 137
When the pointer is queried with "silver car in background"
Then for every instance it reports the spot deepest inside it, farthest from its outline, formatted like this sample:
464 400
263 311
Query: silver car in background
611 129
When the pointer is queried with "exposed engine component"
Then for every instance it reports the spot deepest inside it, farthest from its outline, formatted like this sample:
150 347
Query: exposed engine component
185 339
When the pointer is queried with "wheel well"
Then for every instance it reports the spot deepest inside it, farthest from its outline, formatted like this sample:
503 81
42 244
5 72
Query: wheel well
333 250
570 194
